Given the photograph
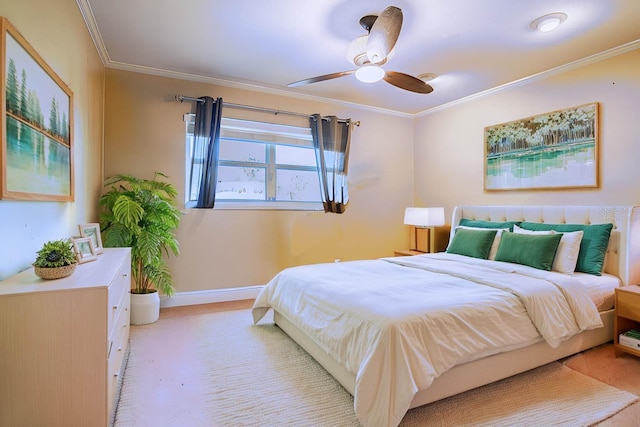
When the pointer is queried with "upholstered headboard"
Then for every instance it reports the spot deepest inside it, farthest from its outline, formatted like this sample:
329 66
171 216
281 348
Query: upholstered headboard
623 253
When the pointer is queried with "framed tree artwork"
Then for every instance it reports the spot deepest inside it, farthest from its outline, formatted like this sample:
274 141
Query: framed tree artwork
556 150
36 155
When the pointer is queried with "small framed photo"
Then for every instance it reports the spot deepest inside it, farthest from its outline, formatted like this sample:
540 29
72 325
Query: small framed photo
92 230
85 251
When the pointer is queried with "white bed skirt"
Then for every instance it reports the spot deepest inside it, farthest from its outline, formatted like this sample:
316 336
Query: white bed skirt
469 375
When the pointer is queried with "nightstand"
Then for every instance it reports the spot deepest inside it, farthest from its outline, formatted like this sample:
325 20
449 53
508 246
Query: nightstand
627 315
407 252
420 239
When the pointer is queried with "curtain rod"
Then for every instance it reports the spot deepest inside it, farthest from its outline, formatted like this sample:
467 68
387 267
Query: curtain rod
181 98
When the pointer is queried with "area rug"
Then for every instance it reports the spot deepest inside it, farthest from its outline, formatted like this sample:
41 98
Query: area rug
218 369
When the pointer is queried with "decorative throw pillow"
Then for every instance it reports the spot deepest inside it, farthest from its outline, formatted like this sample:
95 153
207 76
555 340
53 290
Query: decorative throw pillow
568 249
568 252
593 245
533 250
496 240
472 243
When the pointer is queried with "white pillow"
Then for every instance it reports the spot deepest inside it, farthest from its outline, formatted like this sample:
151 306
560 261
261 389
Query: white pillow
567 253
496 239
520 230
568 249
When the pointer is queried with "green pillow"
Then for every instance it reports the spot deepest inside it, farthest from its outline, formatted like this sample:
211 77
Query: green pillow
534 250
473 243
488 224
593 246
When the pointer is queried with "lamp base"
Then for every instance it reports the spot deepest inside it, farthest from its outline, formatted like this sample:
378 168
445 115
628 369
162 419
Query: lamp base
422 239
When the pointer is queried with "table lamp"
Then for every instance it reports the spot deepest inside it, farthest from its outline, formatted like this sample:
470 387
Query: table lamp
425 218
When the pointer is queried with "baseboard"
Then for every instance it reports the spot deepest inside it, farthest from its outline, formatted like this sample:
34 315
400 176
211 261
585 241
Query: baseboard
210 296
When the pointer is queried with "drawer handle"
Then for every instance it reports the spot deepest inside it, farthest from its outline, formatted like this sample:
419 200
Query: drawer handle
116 374
124 325
124 274
119 348
115 307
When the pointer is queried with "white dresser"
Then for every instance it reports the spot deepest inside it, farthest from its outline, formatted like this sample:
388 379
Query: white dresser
62 343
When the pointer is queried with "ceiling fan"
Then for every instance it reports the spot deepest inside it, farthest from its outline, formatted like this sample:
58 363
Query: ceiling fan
374 49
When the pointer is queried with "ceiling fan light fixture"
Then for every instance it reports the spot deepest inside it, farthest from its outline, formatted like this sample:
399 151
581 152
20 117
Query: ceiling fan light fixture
383 30
370 74
549 22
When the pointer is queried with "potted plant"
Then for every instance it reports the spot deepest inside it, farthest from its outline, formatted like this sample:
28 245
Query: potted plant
55 260
141 214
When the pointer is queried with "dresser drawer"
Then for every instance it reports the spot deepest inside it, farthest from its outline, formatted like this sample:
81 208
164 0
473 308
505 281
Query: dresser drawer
118 342
119 329
118 290
628 305
115 310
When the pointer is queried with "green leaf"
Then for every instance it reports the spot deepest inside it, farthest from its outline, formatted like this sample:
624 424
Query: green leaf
128 212
56 253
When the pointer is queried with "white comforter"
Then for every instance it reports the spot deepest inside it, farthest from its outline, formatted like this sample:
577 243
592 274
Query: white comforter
398 323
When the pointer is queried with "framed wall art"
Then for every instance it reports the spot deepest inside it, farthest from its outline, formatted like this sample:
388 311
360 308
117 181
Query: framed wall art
84 249
36 155
556 150
92 231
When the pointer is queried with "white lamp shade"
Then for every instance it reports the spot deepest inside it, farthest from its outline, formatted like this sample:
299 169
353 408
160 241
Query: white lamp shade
424 217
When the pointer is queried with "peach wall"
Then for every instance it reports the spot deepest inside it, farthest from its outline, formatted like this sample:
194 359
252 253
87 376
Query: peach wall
449 145
56 30
144 132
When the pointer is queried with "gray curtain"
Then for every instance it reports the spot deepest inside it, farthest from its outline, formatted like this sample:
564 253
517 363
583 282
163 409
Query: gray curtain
206 132
331 140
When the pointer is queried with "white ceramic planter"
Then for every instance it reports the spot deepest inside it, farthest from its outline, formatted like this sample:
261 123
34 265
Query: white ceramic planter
145 308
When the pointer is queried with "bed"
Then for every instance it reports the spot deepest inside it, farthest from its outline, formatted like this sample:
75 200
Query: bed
484 326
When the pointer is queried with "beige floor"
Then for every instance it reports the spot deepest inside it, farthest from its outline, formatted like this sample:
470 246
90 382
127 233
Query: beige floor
621 371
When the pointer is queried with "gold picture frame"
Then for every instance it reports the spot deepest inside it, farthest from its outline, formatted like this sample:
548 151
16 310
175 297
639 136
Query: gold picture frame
556 150
36 154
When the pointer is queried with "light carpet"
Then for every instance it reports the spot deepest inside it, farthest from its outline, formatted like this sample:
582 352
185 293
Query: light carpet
220 370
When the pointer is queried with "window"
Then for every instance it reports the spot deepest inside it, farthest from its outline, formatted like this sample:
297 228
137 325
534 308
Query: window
260 165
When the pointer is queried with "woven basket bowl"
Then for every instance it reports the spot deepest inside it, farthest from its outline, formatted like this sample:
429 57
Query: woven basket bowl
55 272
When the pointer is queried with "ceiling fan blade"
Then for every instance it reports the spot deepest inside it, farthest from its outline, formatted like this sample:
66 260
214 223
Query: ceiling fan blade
407 82
384 34
321 78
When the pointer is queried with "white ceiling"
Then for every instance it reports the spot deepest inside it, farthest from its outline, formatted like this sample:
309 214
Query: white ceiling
475 46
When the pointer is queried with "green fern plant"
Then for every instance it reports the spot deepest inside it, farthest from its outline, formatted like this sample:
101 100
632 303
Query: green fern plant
141 214
55 253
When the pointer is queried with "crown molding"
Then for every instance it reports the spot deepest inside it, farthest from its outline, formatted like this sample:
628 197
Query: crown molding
255 87
87 14
619 50
94 32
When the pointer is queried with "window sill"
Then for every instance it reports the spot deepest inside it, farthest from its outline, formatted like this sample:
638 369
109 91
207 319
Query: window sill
257 206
